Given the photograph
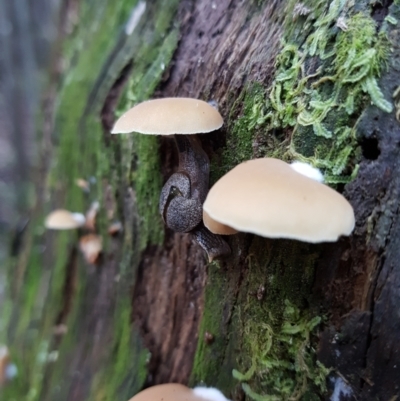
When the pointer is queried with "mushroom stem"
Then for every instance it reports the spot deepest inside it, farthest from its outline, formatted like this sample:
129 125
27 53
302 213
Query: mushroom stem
213 244
184 193
194 161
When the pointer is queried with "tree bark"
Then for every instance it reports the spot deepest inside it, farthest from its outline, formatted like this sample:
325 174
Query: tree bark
153 310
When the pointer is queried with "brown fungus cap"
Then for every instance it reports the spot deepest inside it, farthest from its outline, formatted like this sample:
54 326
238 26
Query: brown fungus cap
169 116
269 198
64 220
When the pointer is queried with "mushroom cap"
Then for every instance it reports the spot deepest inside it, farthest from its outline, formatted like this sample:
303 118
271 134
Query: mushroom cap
61 219
169 116
178 392
216 227
269 198
164 392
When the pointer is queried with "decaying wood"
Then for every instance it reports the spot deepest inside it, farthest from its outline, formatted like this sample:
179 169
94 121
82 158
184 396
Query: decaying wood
357 281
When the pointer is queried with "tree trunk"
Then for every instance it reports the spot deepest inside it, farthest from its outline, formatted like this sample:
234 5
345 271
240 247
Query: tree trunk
278 319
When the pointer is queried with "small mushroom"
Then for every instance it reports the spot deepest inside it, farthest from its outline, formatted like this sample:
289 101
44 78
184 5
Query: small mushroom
61 219
91 246
8 370
178 392
169 116
269 198
183 194
83 184
208 338
91 215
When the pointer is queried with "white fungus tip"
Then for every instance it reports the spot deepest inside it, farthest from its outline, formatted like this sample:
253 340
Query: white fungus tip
79 218
209 393
308 170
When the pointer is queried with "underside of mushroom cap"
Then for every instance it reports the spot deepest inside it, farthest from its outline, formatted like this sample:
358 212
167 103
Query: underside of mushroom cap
169 116
267 197
216 227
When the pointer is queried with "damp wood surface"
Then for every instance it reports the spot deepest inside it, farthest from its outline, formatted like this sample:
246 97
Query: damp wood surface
278 319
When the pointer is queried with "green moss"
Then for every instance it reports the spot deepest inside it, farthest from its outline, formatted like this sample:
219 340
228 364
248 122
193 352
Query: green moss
125 370
319 90
253 312
277 359
148 186
210 356
81 152
244 118
320 87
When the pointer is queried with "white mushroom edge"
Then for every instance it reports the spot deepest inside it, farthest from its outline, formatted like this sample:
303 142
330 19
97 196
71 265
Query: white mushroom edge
209 393
307 170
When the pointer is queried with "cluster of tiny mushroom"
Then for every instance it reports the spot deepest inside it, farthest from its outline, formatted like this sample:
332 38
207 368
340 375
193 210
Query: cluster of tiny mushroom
266 196
90 244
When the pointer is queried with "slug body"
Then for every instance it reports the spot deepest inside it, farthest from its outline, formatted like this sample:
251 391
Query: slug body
183 195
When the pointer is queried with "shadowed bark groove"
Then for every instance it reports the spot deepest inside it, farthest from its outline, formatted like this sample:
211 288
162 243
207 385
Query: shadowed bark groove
168 306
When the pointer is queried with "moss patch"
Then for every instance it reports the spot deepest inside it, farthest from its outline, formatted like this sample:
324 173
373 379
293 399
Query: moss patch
325 74
277 360
124 371
320 89
218 307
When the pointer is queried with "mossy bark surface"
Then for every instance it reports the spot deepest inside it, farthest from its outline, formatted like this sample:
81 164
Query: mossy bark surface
279 319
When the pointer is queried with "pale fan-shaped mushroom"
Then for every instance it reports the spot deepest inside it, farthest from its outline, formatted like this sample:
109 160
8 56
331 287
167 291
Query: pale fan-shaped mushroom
269 198
169 116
